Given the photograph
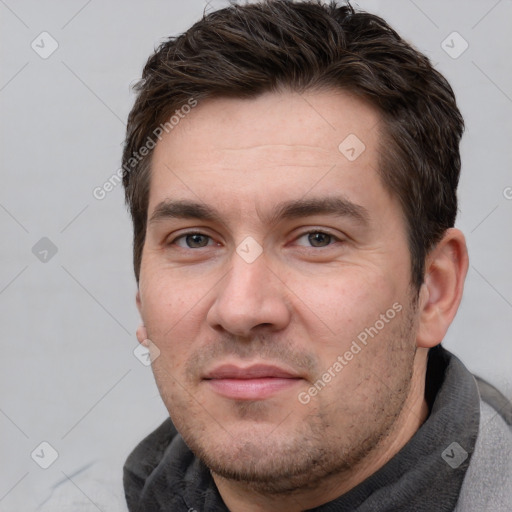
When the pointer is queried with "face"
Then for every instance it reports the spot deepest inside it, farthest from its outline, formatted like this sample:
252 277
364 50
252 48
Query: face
275 282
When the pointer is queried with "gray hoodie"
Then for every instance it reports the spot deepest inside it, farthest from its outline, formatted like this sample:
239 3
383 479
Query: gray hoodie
460 458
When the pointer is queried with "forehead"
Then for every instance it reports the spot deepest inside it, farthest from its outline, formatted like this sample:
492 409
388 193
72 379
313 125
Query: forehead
273 147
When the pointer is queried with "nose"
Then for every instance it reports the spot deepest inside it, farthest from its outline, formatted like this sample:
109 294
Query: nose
250 298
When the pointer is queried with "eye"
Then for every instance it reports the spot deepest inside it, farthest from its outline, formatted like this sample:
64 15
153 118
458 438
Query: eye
192 241
316 239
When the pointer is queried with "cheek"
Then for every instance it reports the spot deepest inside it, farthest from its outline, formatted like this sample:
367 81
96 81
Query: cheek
172 309
347 301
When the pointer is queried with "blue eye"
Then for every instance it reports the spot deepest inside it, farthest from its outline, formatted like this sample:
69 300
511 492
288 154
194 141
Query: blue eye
317 239
193 241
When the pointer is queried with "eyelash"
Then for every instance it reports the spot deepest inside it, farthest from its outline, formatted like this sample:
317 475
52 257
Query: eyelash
305 233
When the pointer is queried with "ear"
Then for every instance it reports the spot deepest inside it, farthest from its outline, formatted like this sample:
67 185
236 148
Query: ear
441 292
138 302
142 334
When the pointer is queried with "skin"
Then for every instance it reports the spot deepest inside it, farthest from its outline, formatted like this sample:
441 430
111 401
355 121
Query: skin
299 305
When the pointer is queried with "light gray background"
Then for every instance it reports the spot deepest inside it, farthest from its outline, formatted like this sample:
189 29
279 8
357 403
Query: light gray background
68 375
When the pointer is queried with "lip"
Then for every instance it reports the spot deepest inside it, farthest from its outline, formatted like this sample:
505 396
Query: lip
254 371
255 382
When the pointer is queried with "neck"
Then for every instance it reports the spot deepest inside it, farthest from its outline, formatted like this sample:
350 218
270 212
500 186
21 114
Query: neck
239 497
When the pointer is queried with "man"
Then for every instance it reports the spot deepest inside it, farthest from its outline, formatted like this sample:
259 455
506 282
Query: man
291 171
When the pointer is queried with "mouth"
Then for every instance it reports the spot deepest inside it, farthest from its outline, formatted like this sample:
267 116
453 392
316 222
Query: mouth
255 382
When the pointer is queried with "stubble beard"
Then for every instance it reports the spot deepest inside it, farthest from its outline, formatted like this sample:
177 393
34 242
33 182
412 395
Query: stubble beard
284 462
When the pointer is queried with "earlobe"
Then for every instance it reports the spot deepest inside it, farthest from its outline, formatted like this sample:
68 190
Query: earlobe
441 292
142 334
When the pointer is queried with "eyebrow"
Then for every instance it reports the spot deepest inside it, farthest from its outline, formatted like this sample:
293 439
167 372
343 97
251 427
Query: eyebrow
295 209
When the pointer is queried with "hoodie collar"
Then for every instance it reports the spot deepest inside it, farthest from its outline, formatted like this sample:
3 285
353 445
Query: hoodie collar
162 474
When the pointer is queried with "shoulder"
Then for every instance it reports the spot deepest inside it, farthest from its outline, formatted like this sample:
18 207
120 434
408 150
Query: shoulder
488 481
144 459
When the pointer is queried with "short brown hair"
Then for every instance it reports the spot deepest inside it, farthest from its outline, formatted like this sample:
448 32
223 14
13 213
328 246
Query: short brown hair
245 50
